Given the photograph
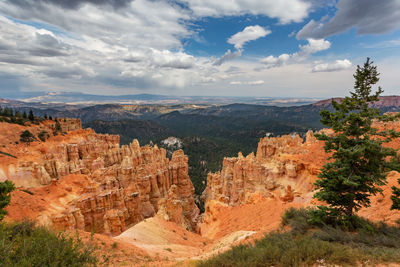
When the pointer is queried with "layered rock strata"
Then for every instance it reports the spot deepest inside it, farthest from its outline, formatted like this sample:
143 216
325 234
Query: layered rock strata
275 171
282 173
126 184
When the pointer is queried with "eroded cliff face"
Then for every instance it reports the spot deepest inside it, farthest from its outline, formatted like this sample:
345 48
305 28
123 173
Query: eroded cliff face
122 184
276 171
280 175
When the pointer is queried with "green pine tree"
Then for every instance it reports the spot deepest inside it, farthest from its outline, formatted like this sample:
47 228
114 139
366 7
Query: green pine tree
6 188
358 163
31 117
396 197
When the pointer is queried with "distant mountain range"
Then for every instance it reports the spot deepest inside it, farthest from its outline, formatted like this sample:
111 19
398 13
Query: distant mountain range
305 115
89 99
236 127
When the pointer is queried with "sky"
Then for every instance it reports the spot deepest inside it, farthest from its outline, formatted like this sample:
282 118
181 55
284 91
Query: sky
262 48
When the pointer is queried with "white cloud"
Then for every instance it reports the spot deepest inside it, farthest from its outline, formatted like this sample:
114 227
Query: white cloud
250 33
101 46
305 51
140 24
258 82
235 83
140 47
166 58
227 56
335 66
314 46
272 61
284 10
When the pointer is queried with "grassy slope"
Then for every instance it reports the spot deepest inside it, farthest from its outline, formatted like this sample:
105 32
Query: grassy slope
308 245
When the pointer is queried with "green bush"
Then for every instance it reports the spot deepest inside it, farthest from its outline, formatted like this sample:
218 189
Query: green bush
307 243
282 249
24 244
27 137
43 135
297 219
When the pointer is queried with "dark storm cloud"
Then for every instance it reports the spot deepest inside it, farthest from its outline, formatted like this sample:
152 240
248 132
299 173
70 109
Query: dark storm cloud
18 61
47 46
63 73
71 4
45 52
367 16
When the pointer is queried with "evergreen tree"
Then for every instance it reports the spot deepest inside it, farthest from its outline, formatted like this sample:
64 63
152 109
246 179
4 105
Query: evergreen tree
396 197
31 117
7 112
358 163
18 114
58 126
6 188
24 115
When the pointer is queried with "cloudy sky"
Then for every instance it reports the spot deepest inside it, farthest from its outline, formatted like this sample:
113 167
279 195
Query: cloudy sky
278 48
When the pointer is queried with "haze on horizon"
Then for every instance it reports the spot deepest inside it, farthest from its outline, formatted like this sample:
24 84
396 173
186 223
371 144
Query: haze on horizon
267 48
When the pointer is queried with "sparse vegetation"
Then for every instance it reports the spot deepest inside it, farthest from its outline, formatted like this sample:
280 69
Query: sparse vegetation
307 244
57 127
24 244
27 137
396 197
43 136
15 116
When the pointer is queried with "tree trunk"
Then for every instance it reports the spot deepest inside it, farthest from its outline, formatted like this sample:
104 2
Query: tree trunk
349 209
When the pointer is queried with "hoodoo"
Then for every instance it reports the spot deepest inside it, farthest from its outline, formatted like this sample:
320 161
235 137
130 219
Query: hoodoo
256 189
83 180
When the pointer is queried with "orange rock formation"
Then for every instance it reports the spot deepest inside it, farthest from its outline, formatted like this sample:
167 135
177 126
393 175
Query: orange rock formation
280 175
119 185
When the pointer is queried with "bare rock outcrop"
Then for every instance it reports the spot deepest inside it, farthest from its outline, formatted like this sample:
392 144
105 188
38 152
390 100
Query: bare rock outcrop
280 175
276 171
126 183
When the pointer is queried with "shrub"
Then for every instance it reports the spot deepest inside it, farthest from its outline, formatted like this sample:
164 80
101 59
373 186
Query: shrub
43 135
297 219
27 137
24 244
310 244
282 249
